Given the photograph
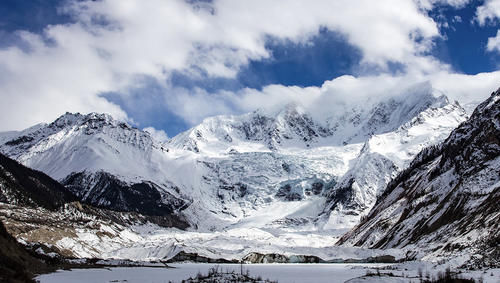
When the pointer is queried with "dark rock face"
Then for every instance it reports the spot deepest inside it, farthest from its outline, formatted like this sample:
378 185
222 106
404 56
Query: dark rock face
317 188
104 190
279 258
295 191
20 140
23 186
450 192
286 193
475 142
16 264
344 195
194 257
239 188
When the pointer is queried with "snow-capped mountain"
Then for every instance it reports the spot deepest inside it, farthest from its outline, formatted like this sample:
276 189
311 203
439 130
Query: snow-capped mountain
76 142
277 170
294 127
447 201
263 131
383 156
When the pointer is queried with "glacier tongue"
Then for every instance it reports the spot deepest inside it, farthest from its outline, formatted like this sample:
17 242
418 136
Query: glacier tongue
285 170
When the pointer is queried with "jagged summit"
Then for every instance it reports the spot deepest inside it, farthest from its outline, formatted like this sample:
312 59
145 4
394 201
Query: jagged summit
267 131
88 123
92 119
294 126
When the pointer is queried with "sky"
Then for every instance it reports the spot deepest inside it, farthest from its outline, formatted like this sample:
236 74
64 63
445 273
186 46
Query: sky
165 65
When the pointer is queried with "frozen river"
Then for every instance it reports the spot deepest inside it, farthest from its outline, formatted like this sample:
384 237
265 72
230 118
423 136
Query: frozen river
283 273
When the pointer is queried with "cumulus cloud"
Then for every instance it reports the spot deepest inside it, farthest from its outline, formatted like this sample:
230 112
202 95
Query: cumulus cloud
155 36
466 88
334 95
40 84
489 11
113 44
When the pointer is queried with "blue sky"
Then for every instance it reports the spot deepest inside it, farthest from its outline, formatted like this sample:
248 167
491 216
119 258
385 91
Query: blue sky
148 95
464 45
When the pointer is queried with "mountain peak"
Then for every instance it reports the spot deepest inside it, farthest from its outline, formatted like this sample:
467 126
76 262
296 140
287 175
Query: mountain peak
90 137
92 119
294 126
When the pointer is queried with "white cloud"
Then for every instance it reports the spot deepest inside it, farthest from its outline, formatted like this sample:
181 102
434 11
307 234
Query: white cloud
114 43
67 68
40 85
494 43
429 4
158 135
467 88
489 11
333 95
155 36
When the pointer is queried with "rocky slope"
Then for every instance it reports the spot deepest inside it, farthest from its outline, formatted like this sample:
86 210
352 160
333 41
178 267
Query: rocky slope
45 216
447 202
20 185
104 190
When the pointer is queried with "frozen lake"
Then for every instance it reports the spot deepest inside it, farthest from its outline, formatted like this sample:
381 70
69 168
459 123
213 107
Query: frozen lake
284 273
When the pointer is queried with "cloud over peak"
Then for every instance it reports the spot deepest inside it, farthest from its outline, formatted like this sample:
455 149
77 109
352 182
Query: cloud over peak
112 45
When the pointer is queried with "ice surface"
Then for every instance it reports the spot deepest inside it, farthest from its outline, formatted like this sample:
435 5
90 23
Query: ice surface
283 273
292 273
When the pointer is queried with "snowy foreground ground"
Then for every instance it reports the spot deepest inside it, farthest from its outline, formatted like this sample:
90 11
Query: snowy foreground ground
283 273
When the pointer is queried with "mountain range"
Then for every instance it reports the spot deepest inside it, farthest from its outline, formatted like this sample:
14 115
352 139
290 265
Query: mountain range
383 178
323 174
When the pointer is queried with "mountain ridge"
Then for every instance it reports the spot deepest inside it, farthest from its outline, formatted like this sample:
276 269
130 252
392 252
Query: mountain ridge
447 200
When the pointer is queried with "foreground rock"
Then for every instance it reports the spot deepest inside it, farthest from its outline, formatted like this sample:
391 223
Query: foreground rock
16 264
